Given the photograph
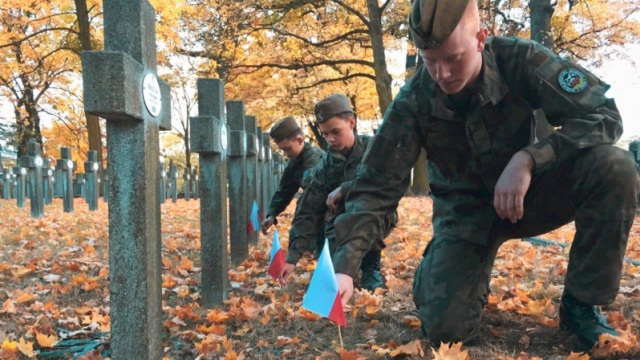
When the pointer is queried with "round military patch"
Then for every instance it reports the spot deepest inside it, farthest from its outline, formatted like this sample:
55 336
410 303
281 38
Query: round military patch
572 80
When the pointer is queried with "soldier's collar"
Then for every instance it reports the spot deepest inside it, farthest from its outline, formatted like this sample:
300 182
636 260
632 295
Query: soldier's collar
491 85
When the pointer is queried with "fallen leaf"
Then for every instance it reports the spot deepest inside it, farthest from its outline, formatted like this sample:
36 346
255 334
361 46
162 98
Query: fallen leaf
26 347
578 356
412 348
349 355
46 341
450 352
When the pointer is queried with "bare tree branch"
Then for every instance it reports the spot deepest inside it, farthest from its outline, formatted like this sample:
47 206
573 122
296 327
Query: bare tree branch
343 78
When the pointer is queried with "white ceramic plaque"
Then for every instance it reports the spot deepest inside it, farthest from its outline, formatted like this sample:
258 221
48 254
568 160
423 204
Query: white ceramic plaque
151 94
223 137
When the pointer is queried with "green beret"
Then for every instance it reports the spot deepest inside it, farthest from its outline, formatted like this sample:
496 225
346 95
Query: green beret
282 129
332 106
432 21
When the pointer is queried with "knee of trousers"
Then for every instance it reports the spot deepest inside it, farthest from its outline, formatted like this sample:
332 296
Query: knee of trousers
613 166
447 314
458 323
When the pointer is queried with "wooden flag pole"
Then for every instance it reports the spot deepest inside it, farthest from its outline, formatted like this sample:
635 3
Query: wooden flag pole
340 336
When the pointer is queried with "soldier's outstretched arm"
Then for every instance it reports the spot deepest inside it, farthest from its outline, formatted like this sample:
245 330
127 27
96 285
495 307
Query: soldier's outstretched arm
287 189
381 181
309 213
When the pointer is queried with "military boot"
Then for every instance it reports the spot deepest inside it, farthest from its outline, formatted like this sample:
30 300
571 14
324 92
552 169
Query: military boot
584 320
371 279
370 266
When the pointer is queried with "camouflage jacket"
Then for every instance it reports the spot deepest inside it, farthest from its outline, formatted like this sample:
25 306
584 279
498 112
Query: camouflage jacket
296 175
334 171
469 146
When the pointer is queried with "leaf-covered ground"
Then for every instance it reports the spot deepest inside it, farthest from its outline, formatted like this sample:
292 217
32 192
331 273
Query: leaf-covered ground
54 290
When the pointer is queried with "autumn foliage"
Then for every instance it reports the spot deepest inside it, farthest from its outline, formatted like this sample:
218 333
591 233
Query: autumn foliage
54 276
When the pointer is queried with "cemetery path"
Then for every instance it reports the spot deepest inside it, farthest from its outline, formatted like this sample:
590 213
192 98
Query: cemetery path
54 282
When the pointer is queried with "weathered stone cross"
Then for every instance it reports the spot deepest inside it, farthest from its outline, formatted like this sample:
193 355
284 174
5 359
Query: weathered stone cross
121 85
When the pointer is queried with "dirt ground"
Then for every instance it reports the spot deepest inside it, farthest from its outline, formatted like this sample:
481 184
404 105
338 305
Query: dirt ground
54 280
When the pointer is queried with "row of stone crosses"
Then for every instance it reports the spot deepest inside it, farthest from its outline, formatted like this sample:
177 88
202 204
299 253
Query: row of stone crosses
58 181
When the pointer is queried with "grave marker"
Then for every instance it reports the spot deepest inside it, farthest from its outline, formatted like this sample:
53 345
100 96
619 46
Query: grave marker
121 85
209 138
238 207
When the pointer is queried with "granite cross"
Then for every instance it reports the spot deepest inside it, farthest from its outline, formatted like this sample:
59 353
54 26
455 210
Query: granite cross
209 139
64 178
121 85
238 208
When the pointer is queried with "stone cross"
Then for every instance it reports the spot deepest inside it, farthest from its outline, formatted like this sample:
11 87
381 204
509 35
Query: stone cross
6 183
634 148
268 172
195 179
47 181
209 138
173 181
162 179
21 179
253 176
64 178
277 172
105 185
92 190
79 186
237 177
186 186
121 85
260 190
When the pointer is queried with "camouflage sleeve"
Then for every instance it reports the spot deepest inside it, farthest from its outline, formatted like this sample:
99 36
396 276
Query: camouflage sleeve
380 183
574 100
287 189
309 216
308 166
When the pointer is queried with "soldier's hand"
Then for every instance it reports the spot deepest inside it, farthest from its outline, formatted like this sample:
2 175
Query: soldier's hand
512 186
266 224
334 199
345 287
286 273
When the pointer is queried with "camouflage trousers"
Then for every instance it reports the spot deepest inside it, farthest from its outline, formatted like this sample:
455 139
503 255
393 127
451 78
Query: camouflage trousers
598 190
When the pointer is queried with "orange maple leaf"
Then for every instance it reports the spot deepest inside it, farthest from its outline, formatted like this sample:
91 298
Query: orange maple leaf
349 355
46 341
26 347
9 307
412 348
578 356
608 345
450 352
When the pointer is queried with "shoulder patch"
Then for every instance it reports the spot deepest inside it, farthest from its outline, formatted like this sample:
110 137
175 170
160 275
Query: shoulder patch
572 80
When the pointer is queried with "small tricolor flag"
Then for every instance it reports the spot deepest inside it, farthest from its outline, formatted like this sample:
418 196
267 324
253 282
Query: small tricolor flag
277 262
253 224
322 297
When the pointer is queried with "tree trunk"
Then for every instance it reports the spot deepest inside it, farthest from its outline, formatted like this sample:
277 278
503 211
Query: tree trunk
93 124
383 79
29 128
540 13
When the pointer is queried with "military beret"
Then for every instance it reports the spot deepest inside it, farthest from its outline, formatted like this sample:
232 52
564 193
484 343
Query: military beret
432 21
283 128
332 106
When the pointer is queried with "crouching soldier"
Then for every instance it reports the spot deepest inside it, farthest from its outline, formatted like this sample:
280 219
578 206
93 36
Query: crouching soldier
296 175
323 199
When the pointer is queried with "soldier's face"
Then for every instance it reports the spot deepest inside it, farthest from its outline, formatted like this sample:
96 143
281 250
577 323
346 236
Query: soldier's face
292 147
339 133
456 64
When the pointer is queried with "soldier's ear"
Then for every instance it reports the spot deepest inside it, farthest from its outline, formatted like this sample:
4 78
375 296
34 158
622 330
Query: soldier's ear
300 139
481 36
352 121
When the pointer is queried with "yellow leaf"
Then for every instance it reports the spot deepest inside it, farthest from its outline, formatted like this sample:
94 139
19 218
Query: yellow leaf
450 352
26 347
9 346
46 341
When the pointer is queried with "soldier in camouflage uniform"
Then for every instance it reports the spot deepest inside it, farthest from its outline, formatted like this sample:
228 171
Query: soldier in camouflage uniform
471 108
296 175
325 195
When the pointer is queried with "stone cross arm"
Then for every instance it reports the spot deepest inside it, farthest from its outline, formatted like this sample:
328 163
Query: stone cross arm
113 88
